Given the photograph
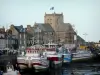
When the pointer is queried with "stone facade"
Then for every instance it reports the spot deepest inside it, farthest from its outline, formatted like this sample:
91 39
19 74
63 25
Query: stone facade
64 31
30 34
6 39
43 33
2 38
20 34
54 19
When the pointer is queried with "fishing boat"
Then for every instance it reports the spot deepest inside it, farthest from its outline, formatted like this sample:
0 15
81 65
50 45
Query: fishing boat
36 59
33 59
53 55
81 55
22 63
67 56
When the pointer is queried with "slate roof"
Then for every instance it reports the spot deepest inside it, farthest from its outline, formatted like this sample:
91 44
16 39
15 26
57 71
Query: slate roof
45 27
80 38
20 28
64 27
2 30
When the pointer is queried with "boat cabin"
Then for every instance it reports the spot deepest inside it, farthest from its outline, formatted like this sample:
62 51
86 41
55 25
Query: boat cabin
34 51
50 45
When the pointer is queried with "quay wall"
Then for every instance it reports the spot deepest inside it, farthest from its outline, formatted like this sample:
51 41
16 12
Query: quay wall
4 59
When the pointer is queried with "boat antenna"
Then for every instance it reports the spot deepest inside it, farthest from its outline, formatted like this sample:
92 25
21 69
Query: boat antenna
7 35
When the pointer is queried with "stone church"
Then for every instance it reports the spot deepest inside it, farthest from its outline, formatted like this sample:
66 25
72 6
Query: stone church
64 31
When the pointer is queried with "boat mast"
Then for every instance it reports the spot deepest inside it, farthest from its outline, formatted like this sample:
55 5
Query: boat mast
38 36
7 37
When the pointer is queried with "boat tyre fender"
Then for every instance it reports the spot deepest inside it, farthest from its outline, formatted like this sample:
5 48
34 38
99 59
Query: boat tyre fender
62 59
71 56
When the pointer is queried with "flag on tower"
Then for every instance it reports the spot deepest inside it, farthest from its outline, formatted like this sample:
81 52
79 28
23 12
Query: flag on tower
52 8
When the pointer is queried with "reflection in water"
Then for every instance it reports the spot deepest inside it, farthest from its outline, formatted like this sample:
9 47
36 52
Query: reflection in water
74 69
78 69
56 72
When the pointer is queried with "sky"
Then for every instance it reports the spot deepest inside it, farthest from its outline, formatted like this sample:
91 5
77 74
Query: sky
84 15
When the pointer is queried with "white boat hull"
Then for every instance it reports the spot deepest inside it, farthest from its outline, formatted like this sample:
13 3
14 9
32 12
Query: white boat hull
39 68
22 63
22 66
82 56
40 64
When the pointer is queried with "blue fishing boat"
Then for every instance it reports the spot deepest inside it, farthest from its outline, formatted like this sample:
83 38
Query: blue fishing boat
67 56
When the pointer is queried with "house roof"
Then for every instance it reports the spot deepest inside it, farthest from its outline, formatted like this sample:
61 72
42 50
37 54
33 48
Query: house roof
80 38
2 30
20 28
45 27
65 27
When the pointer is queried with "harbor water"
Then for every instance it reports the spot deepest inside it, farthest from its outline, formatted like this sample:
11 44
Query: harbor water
77 68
